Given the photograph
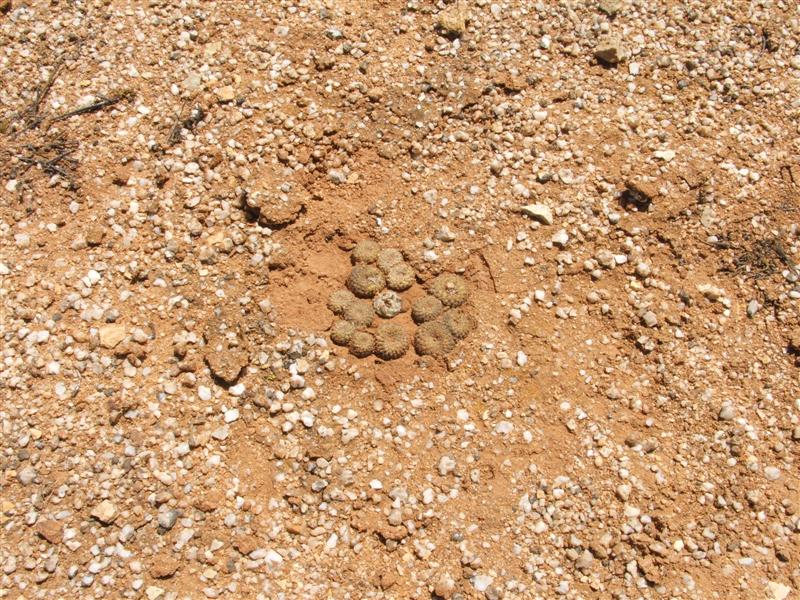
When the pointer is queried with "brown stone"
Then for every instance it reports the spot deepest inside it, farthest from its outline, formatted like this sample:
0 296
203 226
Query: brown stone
280 259
389 151
225 93
105 512
472 93
452 21
49 530
120 176
226 363
112 335
794 342
118 405
610 51
695 174
164 566
208 502
610 7
651 571
444 587
245 544
389 532
275 210
388 580
296 528
95 235
599 549
322 448
510 83
640 193
360 521
136 352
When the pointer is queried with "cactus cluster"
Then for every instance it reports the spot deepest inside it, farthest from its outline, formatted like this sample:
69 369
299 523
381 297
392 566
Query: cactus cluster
373 289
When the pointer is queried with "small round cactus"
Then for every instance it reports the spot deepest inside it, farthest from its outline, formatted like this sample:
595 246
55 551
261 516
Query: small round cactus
433 339
387 304
361 344
459 322
389 257
426 309
391 341
340 300
365 251
400 277
365 281
342 332
359 313
450 289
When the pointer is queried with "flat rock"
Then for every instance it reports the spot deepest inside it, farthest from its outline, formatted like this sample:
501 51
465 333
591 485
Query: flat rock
585 561
560 239
481 582
794 341
245 544
390 532
95 235
225 93
640 193
275 210
193 82
164 566
778 591
226 364
209 501
610 51
445 586
610 7
154 592
727 413
111 335
665 155
538 212
49 530
105 512
26 475
453 20
388 580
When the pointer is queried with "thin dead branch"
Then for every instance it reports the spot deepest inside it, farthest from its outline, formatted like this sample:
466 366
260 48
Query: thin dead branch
53 158
100 104
189 123
31 114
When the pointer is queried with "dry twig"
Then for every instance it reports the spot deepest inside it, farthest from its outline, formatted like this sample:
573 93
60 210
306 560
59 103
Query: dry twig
176 133
100 104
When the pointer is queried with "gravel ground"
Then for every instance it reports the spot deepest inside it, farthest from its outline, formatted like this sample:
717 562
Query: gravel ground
181 187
